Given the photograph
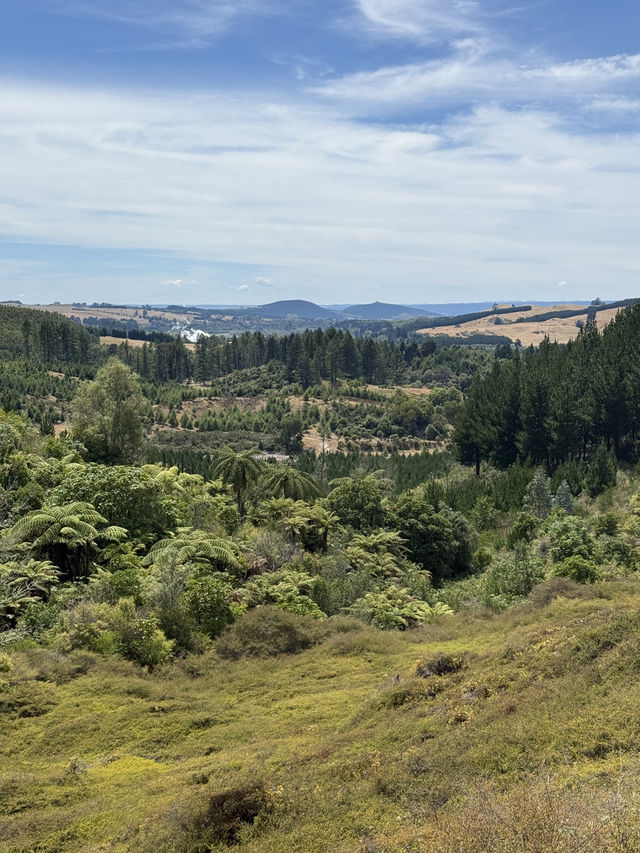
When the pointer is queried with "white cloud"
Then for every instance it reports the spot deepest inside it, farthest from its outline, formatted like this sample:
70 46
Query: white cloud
493 200
623 105
263 281
196 21
243 287
422 20
177 282
475 71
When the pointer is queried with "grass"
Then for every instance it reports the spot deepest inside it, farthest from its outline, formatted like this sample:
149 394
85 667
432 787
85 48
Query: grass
530 745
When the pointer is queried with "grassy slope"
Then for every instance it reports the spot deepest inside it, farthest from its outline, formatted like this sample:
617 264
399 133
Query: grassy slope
532 745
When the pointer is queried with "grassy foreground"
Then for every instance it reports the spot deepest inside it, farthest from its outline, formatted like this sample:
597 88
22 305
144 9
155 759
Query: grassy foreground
527 741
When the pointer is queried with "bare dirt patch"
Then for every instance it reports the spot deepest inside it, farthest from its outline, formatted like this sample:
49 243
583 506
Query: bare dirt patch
407 389
312 440
222 404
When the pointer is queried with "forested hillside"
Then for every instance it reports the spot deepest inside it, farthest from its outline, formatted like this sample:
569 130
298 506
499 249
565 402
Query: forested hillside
48 338
557 404
251 598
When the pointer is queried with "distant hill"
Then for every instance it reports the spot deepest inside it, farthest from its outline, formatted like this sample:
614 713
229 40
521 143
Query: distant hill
452 309
297 307
384 311
455 309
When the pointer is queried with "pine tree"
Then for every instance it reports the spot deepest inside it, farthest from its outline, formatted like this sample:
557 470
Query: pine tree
563 498
537 499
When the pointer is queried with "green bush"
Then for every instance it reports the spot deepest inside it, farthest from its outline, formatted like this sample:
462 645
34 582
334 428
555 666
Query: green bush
119 629
267 632
483 514
29 699
524 529
396 609
138 637
606 524
578 569
207 602
440 665
569 536
513 576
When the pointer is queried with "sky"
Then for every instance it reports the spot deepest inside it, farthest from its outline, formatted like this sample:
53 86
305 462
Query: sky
246 151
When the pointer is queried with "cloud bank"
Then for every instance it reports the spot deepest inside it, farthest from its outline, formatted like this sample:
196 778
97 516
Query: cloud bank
508 200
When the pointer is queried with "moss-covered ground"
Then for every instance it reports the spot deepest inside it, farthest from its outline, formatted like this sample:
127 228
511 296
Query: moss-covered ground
530 742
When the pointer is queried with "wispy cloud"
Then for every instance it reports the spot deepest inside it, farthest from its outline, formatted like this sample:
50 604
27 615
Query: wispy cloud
421 20
474 71
187 22
303 67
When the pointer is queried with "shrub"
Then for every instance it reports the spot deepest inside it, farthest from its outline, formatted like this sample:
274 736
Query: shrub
287 588
569 536
557 587
484 512
481 559
341 625
396 609
110 586
29 699
563 498
267 632
619 550
513 576
52 666
365 641
606 524
217 823
119 629
138 637
538 498
524 529
440 665
578 569
207 602
229 811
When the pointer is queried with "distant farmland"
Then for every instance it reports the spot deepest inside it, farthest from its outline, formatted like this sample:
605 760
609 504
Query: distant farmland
560 329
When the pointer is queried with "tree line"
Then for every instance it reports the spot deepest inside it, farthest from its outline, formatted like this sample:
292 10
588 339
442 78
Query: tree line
306 358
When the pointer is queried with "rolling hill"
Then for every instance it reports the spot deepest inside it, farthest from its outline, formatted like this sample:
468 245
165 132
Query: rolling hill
384 311
528 324
297 307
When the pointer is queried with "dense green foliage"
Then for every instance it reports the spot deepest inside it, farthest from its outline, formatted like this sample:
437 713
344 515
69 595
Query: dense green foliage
557 404
45 336
153 548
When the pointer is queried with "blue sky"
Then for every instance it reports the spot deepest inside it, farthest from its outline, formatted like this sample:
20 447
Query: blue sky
241 152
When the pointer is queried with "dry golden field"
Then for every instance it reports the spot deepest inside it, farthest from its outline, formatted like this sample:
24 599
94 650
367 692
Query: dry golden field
558 329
